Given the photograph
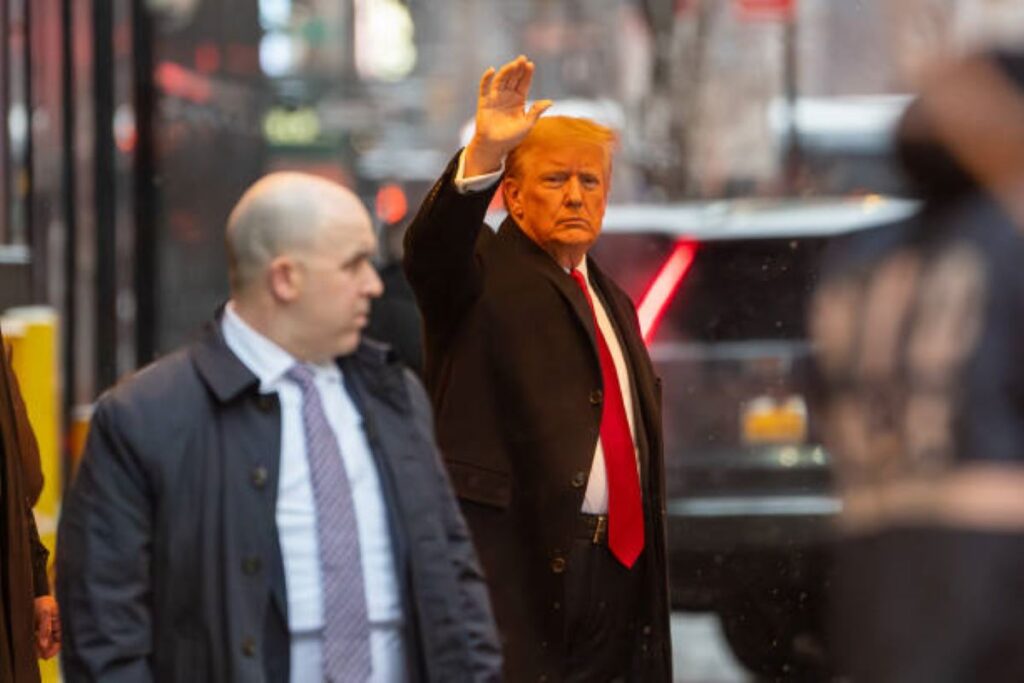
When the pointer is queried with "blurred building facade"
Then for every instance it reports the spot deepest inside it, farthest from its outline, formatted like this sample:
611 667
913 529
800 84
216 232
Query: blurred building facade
134 124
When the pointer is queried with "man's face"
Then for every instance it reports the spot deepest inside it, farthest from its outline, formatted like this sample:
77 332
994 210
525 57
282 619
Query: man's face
560 197
337 287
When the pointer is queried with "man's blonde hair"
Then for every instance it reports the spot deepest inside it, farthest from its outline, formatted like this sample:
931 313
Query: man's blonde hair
556 131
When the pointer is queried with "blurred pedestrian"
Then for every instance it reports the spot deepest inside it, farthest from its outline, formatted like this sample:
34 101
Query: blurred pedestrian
920 343
29 620
395 318
268 504
547 404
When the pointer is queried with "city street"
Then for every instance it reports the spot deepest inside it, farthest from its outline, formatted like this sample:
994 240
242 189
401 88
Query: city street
650 304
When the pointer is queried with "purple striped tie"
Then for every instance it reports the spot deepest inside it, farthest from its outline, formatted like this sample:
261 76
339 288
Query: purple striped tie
346 645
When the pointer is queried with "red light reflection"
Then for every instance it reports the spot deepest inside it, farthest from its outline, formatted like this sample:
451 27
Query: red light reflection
655 300
392 204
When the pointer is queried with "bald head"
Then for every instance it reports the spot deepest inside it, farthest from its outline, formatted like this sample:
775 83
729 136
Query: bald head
300 250
282 212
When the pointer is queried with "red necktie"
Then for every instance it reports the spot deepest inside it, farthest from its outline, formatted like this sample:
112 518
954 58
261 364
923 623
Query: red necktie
625 511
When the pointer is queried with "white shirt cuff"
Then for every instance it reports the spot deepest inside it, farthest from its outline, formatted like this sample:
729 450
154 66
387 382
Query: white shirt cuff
477 183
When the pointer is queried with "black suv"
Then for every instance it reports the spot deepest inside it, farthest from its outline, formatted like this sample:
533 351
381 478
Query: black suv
722 291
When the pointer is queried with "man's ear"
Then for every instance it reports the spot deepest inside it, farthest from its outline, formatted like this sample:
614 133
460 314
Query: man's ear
512 194
284 278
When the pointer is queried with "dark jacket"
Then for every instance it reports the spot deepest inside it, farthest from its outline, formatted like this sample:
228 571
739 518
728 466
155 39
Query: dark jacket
23 559
512 368
395 319
169 561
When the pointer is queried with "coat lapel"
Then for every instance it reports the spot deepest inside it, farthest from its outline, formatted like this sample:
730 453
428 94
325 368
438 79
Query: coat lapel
254 445
622 316
376 384
511 234
376 366
222 371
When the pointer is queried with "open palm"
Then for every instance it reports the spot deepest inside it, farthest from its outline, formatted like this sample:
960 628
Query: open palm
501 116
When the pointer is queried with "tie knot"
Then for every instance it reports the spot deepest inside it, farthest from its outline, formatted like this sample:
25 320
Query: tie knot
578 277
301 374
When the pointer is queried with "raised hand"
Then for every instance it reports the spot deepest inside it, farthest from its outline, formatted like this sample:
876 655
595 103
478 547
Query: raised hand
501 116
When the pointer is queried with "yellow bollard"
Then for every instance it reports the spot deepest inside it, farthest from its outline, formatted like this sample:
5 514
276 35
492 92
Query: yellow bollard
32 333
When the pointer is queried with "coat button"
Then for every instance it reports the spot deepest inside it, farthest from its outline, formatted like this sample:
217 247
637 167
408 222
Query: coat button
647 630
558 565
258 476
596 396
265 402
579 479
248 647
251 566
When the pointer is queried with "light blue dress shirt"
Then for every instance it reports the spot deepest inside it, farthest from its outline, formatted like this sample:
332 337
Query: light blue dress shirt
296 514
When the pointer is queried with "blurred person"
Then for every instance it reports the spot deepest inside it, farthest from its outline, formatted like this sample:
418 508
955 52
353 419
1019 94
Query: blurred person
394 317
29 619
268 504
920 337
550 424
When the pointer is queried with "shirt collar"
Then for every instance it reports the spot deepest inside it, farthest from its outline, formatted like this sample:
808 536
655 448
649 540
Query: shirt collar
582 267
265 359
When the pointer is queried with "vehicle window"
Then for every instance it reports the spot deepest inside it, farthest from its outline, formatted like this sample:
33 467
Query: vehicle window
740 290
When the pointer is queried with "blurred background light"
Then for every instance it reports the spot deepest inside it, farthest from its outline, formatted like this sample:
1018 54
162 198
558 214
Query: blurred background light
392 204
384 40
291 127
275 14
280 53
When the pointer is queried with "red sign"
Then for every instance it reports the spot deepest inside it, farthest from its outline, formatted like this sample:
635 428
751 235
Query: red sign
766 10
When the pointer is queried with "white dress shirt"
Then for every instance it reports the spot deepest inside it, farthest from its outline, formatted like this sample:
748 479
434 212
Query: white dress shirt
296 510
595 499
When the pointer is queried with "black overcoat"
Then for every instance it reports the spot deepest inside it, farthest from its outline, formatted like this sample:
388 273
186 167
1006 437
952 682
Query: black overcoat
22 557
169 567
512 368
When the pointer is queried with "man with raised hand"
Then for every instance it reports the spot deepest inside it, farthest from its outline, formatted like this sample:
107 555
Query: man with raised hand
548 408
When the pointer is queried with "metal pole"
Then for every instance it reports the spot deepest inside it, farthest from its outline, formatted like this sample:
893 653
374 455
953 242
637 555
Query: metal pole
146 233
106 261
794 151
68 183
5 108
33 238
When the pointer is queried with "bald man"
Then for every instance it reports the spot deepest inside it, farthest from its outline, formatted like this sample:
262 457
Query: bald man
268 504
